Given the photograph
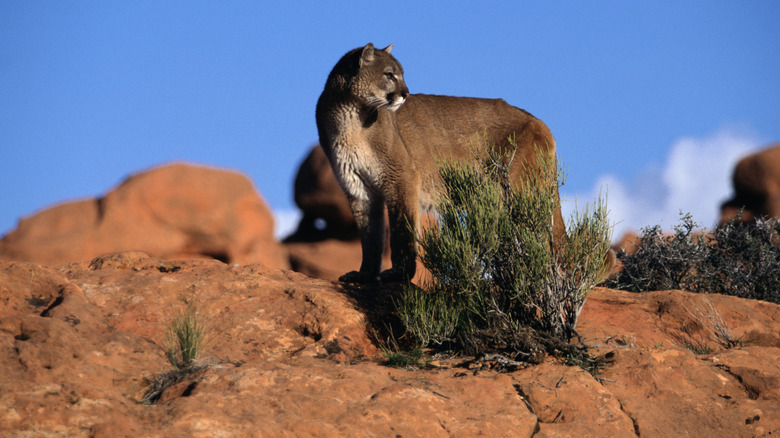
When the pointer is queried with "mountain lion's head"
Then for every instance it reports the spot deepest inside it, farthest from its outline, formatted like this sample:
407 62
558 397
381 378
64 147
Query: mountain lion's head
371 76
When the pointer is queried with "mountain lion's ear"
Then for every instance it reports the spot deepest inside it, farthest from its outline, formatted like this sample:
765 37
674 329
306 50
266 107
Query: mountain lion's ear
368 54
388 48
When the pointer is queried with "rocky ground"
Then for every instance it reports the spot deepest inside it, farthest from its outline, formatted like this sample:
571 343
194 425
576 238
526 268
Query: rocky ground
291 355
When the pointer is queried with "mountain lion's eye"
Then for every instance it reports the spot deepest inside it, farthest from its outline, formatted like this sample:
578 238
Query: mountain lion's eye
390 75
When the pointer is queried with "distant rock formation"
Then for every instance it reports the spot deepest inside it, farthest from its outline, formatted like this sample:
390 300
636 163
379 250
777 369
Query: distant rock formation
756 182
173 211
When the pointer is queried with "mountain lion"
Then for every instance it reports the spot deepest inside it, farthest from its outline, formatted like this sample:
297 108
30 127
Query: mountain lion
384 145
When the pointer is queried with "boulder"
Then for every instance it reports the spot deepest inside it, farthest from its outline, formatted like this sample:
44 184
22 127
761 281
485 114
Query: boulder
173 211
756 181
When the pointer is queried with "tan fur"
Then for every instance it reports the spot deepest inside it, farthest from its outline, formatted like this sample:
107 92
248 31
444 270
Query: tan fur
385 145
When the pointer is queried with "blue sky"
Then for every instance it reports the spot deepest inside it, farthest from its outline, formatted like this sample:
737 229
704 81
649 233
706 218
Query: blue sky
650 101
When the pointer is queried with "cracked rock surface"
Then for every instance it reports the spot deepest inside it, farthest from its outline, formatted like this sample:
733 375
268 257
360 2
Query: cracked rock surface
289 355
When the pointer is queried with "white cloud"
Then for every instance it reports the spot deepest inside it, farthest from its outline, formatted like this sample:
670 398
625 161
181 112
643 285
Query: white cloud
285 222
695 178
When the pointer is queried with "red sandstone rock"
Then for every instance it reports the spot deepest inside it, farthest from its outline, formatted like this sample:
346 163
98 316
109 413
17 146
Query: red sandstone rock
756 182
291 356
666 318
629 243
327 259
174 211
570 402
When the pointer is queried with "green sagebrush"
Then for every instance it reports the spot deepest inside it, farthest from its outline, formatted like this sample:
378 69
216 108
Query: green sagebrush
185 338
497 272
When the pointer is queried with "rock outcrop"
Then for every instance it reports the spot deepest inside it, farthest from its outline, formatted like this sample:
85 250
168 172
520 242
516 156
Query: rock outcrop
289 355
756 181
173 211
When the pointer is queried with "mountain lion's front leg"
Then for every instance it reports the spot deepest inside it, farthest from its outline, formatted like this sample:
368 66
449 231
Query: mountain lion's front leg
370 219
404 214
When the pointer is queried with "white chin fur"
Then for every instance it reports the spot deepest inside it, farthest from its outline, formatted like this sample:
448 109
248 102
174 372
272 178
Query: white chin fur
395 105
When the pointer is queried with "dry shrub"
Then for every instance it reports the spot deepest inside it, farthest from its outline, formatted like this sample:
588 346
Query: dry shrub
740 259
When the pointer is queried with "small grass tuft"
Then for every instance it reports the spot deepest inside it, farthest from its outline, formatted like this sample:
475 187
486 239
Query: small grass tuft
413 358
184 344
592 365
697 347
717 328
185 338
